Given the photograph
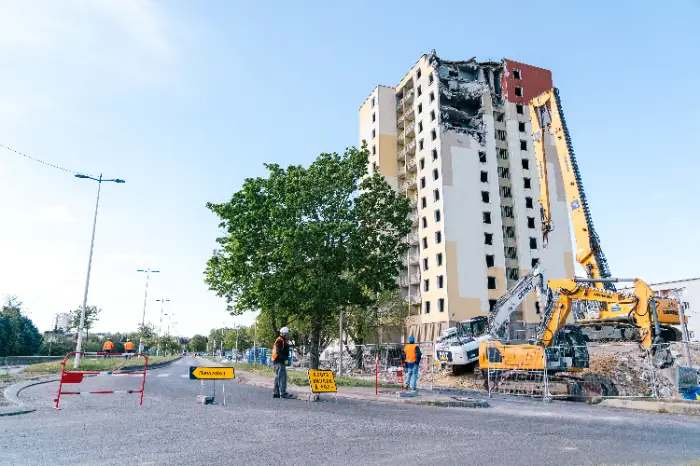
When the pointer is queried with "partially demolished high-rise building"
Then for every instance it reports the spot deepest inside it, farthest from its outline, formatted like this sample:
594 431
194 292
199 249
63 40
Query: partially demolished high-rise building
454 137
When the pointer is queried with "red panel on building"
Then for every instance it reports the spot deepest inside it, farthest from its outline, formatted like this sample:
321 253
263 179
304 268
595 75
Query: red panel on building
533 81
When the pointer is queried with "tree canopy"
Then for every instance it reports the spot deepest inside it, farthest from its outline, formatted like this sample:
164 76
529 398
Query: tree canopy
303 243
91 316
18 334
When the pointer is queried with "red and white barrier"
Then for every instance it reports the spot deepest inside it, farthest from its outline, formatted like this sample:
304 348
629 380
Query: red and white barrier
74 377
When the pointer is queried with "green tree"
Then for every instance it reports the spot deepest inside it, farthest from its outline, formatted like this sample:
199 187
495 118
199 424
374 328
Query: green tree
198 343
305 242
18 334
91 316
240 335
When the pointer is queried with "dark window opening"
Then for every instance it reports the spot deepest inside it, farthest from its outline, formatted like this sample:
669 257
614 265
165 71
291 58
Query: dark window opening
518 91
485 196
441 305
482 157
435 155
436 174
523 145
438 216
534 262
521 127
486 217
519 109
492 283
527 183
484 177
516 74
438 258
533 243
438 237
490 260
488 238
528 203
436 194
526 164
531 222
492 304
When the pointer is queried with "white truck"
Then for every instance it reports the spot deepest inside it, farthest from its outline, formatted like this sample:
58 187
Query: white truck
458 347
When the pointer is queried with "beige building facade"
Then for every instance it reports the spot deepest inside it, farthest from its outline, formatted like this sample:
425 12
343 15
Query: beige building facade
454 137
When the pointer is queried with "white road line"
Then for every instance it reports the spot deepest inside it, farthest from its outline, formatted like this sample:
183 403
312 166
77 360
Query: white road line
184 376
163 375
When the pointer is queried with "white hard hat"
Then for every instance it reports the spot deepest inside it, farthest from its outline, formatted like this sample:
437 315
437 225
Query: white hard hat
284 330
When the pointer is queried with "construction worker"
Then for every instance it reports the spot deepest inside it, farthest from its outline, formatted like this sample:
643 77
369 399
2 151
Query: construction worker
412 356
280 361
108 347
128 348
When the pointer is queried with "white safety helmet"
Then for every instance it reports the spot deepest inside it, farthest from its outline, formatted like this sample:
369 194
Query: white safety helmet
284 330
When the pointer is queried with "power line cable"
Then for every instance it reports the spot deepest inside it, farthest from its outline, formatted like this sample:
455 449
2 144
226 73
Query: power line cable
38 160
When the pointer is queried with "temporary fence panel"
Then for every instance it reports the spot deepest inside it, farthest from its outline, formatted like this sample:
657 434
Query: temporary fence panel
76 376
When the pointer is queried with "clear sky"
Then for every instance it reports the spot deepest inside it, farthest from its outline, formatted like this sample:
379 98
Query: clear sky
185 99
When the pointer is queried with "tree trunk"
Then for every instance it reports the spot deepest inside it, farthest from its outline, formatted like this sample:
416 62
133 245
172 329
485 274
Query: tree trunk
315 340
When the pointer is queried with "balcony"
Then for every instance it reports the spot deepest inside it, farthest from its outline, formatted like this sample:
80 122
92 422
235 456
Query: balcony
400 120
403 281
414 258
414 278
408 98
409 114
399 105
401 138
411 164
410 130
408 184
414 219
401 154
412 239
413 201
402 172
410 147
415 299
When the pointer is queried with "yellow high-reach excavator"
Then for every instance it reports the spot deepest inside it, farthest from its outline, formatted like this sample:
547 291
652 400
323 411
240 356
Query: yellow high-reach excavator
601 313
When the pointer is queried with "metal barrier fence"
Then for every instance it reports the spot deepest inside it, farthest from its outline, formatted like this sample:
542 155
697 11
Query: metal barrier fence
624 370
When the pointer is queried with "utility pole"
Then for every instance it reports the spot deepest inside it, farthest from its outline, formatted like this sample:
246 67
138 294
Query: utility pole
160 325
148 273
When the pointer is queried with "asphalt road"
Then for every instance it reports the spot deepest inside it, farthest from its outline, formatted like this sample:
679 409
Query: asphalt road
255 429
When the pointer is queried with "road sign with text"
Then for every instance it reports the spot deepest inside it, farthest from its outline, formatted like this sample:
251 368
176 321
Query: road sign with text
211 373
322 381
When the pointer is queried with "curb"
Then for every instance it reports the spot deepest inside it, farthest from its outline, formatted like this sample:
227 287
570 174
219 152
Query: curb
687 408
150 366
305 396
12 395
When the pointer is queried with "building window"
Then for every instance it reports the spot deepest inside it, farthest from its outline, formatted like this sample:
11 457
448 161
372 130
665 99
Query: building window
504 173
486 217
420 145
421 163
372 102
534 262
423 202
436 174
484 177
492 304
488 238
434 153
516 74
420 108
506 211
485 197
490 260
440 281
374 150
426 285
537 307
422 182
425 242
482 157
492 283
511 253
438 258
512 274
500 116
432 115
509 232
527 183
374 133
528 202
433 135
523 145
437 215
533 243
374 117
518 91
436 195
519 109
441 305
500 134
521 127
425 263
420 90
526 164
505 192
420 126
424 220
503 154
427 307
531 222
431 78
418 76
438 237
432 96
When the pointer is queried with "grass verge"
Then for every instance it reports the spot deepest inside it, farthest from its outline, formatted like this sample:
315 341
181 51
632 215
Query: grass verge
300 379
109 364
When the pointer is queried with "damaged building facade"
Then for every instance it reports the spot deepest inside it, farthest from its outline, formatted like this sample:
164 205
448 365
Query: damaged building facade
454 137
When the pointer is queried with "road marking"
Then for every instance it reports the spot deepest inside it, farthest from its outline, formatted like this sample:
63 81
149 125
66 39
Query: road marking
163 375
185 376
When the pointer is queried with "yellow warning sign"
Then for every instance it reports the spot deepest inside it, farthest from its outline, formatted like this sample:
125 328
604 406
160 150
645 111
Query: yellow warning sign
322 381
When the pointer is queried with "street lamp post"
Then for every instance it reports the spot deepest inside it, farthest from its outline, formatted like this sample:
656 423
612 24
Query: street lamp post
100 180
160 325
148 273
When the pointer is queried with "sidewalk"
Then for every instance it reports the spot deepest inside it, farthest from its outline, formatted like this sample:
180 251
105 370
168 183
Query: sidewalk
386 395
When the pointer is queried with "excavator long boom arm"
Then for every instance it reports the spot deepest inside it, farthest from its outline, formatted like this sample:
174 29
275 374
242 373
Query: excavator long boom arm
546 115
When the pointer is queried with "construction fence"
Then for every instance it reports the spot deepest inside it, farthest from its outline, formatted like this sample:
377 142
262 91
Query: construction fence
624 370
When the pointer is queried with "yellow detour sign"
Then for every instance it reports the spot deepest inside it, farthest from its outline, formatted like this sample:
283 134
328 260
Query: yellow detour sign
211 373
322 381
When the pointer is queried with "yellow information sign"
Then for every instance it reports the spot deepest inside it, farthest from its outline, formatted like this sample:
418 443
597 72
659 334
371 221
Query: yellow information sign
211 373
322 381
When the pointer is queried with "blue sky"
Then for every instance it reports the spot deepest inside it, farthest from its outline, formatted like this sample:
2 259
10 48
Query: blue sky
186 99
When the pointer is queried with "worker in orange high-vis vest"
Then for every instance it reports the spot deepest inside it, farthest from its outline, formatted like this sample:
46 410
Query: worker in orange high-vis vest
280 360
128 348
412 356
108 346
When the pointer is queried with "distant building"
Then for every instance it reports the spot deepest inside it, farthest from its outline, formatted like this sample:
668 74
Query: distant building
62 321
